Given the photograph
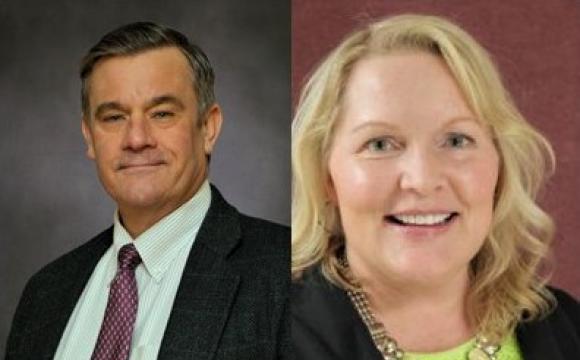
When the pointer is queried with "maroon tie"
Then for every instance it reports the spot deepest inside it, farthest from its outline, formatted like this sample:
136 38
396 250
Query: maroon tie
114 342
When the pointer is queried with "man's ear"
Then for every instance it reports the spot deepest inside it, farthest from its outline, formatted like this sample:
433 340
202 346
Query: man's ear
211 128
88 138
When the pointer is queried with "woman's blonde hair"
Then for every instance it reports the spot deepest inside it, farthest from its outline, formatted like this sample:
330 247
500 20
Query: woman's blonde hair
505 287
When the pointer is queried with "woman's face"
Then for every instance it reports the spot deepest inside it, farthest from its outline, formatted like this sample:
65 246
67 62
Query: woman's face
412 171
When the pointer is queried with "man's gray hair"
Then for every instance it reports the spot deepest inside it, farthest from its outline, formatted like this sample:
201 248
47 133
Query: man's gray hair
141 36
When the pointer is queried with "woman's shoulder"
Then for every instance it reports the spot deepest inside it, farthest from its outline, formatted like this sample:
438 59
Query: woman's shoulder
313 295
566 311
325 325
556 332
566 302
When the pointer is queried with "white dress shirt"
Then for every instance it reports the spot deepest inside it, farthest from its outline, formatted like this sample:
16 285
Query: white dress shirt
164 249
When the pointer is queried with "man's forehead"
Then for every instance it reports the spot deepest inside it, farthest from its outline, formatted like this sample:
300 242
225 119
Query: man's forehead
162 59
141 77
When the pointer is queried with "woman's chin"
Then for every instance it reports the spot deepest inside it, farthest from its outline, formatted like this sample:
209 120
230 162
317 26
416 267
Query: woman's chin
425 271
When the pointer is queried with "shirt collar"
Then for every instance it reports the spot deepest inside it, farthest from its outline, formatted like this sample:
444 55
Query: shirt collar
159 245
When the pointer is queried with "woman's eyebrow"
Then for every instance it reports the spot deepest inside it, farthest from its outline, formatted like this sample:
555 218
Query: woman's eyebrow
373 124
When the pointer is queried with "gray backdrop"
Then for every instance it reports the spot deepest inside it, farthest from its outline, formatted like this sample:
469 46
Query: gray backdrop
50 198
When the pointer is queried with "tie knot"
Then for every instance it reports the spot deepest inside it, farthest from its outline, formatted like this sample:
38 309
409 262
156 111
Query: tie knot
128 257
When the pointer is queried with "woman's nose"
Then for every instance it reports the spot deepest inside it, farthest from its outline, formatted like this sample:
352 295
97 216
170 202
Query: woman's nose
421 172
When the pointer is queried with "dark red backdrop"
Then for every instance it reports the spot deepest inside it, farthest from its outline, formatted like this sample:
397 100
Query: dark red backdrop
536 45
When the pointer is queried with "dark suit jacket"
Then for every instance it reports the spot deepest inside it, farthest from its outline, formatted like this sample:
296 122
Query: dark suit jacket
231 302
326 326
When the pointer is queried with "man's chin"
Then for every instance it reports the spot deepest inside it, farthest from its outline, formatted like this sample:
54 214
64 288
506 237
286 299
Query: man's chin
139 200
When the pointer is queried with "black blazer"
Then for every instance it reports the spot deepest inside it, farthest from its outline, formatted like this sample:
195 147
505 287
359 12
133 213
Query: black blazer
326 326
231 302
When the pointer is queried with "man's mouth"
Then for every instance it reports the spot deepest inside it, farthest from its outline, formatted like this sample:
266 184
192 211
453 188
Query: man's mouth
434 219
139 165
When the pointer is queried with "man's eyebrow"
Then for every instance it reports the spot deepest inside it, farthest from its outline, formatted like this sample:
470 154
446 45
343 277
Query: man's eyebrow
165 99
109 105
158 100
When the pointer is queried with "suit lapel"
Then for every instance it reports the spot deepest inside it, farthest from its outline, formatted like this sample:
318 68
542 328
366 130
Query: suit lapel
207 289
64 292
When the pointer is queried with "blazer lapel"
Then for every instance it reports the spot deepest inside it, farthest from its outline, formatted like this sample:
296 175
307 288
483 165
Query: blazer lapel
207 289
62 296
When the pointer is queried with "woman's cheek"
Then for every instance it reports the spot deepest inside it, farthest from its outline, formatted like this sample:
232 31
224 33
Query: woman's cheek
363 186
477 177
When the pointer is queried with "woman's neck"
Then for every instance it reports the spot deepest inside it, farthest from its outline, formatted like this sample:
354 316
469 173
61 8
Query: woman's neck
421 317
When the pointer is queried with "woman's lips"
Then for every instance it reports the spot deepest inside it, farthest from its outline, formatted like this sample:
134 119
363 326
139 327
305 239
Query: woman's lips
421 219
422 225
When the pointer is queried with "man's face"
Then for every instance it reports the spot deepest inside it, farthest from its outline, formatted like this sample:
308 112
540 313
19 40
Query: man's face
144 132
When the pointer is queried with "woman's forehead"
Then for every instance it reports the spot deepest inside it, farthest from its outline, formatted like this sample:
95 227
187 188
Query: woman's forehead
402 86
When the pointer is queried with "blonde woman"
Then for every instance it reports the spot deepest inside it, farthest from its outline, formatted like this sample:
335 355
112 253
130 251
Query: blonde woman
415 231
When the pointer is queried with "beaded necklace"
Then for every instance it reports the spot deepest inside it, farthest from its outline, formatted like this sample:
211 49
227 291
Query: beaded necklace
387 346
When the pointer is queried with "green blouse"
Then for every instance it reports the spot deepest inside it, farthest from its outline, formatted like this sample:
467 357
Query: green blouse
509 351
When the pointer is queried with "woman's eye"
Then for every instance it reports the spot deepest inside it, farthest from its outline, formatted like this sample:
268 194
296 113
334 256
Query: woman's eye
380 145
458 140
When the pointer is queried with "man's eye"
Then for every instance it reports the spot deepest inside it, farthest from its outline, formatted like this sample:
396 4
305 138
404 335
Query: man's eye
113 118
458 140
162 114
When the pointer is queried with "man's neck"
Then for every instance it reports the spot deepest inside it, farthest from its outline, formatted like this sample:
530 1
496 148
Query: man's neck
137 220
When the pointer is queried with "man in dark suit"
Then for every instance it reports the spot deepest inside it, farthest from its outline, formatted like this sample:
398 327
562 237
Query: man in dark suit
181 274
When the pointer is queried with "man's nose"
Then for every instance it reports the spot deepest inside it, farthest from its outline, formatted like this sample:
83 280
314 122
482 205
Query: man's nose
138 134
421 172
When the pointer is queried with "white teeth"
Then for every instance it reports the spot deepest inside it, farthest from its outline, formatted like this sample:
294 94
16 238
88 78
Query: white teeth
427 219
